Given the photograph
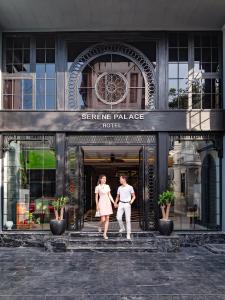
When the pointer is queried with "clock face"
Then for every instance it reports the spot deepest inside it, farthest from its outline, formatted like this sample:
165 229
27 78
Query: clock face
111 87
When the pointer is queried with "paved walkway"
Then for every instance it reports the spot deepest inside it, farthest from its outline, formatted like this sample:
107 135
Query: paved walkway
194 273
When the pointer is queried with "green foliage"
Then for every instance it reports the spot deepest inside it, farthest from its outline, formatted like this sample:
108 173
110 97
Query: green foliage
166 198
30 217
41 159
60 202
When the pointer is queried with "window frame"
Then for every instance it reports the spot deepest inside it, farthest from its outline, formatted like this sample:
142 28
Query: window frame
191 70
28 75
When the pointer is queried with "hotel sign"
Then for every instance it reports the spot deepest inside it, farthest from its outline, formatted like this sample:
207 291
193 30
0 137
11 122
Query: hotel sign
111 120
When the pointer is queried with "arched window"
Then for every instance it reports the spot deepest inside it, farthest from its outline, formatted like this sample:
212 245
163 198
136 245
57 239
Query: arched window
111 76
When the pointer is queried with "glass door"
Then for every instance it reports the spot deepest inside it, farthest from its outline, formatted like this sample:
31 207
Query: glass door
147 185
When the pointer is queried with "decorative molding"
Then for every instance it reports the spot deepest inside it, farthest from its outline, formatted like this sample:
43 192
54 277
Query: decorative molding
29 140
75 140
111 87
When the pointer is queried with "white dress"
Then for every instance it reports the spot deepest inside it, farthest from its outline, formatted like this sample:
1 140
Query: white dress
105 207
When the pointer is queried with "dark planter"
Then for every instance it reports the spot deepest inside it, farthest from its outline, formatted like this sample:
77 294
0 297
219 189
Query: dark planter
57 227
165 227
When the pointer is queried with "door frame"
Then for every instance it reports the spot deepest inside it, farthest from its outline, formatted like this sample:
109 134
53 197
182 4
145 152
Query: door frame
148 142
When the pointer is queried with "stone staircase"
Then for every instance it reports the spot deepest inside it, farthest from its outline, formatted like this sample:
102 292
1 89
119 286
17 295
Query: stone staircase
140 242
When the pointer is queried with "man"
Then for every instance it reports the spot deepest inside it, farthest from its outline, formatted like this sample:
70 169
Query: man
126 196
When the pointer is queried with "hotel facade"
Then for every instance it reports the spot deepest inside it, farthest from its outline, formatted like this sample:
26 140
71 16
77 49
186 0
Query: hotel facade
118 87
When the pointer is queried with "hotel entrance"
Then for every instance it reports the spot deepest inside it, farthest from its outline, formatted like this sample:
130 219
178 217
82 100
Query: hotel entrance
134 156
112 161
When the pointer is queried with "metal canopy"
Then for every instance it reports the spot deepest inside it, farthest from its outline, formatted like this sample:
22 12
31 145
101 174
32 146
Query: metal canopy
103 15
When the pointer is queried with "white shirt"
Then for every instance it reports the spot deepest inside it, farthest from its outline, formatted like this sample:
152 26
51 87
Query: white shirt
125 192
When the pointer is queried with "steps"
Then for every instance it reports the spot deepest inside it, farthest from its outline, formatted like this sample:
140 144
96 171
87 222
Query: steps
140 242
111 234
93 241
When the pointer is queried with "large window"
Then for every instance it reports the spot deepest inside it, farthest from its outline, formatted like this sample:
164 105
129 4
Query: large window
18 93
18 80
29 77
194 176
17 55
194 73
109 81
178 71
29 181
112 80
206 82
45 74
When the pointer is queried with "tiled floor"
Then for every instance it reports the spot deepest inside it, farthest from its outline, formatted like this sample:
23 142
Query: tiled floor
29 273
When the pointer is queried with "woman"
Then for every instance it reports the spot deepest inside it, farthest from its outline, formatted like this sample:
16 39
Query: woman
103 204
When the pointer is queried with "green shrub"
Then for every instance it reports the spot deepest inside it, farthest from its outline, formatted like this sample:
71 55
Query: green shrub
166 198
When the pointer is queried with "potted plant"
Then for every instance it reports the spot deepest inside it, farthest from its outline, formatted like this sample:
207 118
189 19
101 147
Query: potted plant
165 224
58 225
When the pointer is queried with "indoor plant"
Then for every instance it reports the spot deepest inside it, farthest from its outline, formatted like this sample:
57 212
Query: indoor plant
165 224
58 225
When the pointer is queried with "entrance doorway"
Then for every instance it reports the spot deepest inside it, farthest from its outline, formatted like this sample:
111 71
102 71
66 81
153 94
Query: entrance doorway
89 156
112 161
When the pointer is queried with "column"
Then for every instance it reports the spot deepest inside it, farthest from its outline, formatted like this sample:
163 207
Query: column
1 139
163 150
60 69
162 86
60 164
223 159
1 181
1 71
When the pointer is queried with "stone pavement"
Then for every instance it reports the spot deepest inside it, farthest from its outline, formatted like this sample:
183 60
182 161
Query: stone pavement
30 273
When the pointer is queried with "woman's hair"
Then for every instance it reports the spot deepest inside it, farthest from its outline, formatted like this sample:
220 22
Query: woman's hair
100 177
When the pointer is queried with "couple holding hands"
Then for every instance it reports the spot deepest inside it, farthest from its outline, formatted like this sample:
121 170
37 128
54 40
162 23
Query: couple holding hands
125 197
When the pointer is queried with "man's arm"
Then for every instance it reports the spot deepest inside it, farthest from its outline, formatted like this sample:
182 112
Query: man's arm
117 199
133 197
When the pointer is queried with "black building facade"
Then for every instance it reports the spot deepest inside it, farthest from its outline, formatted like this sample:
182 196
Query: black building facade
148 104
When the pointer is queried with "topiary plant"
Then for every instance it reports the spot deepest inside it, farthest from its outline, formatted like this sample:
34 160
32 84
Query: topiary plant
59 205
165 200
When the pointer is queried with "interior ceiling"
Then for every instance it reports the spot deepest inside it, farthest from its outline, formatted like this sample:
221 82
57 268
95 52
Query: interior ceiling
103 15
105 152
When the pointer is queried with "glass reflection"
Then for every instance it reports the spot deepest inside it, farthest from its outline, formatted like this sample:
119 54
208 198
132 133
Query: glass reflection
194 176
173 70
29 183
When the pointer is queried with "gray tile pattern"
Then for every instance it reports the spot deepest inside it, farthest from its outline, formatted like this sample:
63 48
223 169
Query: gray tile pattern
31 273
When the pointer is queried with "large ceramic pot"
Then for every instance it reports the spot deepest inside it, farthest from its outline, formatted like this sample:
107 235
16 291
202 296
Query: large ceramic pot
165 227
9 225
57 227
